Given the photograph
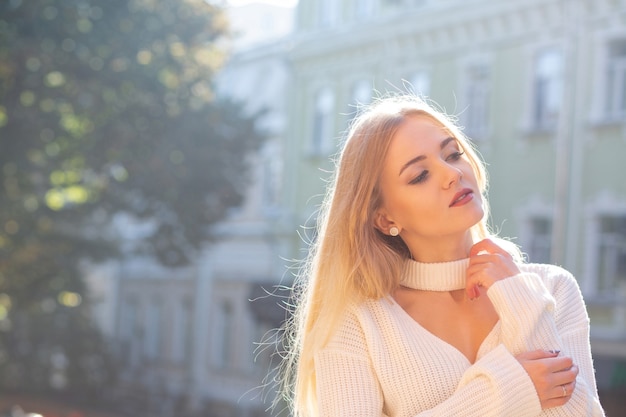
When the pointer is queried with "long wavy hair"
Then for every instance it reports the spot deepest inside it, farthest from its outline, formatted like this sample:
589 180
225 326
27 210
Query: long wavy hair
351 260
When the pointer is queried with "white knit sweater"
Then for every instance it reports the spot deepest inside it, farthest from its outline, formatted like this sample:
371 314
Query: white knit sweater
381 362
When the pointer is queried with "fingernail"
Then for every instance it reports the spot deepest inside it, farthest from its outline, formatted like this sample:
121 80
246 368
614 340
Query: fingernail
475 293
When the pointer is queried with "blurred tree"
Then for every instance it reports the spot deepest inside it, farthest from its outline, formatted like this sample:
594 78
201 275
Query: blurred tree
106 107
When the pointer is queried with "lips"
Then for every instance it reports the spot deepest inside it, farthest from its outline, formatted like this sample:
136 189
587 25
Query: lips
462 197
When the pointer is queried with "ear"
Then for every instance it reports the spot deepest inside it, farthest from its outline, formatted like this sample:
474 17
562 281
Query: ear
382 222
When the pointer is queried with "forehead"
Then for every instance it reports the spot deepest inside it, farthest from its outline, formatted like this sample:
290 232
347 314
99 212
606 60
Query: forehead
417 131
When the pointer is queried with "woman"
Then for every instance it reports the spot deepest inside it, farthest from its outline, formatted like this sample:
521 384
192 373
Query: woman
408 306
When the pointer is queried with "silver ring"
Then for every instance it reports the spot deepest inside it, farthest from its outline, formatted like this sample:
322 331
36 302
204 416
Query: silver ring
564 390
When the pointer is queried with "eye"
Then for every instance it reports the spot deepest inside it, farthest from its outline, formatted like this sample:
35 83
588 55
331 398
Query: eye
455 156
420 178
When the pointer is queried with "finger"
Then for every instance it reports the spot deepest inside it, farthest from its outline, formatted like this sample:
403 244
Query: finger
488 246
485 274
537 354
562 363
475 277
557 395
565 390
560 391
486 258
553 396
472 291
571 387
566 376
486 263
486 269
557 364
554 402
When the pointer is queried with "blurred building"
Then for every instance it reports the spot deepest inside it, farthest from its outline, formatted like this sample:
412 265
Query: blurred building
246 266
189 337
539 86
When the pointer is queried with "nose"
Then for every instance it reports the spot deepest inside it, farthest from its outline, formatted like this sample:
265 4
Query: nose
452 175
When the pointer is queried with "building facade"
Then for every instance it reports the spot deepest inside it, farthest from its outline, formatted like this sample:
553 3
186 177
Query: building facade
538 85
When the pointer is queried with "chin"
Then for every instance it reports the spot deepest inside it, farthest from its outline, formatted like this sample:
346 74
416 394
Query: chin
480 215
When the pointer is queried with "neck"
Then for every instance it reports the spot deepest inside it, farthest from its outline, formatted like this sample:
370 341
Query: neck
433 250
442 276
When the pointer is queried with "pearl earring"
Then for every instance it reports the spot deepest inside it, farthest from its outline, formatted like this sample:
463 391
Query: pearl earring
393 231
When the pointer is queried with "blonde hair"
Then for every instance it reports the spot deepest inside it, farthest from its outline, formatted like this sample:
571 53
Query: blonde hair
351 260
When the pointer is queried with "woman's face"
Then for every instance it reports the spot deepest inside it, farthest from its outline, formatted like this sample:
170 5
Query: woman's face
429 189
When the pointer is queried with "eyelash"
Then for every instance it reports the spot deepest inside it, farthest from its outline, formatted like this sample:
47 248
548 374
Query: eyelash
424 174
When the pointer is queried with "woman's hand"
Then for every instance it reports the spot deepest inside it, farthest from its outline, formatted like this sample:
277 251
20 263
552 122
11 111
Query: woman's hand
554 376
488 263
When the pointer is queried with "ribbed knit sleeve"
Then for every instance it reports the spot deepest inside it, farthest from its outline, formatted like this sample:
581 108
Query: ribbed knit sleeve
496 385
526 310
542 308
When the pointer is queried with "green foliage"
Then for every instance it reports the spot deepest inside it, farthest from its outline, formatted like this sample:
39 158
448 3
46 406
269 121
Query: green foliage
106 107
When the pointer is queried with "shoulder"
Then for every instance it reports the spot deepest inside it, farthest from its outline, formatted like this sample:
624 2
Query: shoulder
359 320
560 283
366 324
553 276
373 313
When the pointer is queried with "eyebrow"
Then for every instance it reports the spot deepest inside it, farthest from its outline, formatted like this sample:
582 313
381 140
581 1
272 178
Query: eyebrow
442 145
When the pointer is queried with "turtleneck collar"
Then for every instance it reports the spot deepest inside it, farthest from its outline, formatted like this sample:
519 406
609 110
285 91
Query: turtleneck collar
440 276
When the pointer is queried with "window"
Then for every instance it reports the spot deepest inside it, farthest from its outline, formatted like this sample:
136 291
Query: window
404 4
322 120
130 329
476 113
272 174
152 346
360 95
264 345
328 12
364 8
539 242
223 357
616 80
361 92
611 267
181 343
419 83
547 89
129 321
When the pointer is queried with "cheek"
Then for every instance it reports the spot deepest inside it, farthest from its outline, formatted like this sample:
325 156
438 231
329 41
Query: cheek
414 204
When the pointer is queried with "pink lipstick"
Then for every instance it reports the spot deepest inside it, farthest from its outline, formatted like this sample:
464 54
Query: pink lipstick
462 197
